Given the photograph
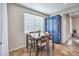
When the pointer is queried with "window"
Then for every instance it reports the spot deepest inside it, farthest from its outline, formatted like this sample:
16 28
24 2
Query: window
32 23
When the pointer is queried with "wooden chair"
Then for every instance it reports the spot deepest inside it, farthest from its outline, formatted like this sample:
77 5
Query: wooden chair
44 47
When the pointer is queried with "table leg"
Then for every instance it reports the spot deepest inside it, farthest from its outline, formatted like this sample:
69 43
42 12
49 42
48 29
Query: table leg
36 48
27 42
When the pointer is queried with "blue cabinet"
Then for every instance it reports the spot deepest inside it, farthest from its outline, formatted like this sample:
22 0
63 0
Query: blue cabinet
53 27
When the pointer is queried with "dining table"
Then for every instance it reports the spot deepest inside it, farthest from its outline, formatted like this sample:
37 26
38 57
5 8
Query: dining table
37 38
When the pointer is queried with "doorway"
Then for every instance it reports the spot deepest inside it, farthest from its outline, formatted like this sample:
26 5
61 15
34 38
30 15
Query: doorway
73 29
75 24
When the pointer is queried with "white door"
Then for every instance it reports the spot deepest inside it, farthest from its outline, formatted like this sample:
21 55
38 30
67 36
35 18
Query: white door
1 27
3 30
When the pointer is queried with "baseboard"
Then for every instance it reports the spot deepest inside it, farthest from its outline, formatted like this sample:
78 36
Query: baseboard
17 48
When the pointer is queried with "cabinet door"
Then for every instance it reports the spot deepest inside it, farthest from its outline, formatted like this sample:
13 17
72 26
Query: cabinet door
48 26
57 29
45 24
53 27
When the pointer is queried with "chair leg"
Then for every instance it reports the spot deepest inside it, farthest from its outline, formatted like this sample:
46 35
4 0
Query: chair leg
41 48
30 48
30 51
48 50
27 42
34 46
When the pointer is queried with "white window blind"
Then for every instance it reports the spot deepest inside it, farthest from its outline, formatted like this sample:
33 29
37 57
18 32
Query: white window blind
32 23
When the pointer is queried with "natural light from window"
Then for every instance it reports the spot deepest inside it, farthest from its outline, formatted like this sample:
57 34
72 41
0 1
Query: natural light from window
33 23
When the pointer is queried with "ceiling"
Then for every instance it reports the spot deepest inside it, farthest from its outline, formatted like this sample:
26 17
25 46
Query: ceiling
48 8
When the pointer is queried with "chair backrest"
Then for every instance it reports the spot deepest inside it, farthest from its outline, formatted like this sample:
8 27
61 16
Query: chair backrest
45 38
28 36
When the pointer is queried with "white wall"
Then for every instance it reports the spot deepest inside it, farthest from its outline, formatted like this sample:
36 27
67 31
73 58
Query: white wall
16 25
64 26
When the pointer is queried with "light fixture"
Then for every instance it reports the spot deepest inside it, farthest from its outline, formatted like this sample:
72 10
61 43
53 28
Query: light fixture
48 10
65 3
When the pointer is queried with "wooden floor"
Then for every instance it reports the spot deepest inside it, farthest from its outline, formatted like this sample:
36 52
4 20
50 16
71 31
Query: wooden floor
59 50
63 50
